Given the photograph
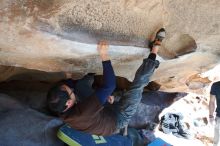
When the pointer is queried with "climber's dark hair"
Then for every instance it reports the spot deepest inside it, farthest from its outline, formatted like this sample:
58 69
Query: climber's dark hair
56 99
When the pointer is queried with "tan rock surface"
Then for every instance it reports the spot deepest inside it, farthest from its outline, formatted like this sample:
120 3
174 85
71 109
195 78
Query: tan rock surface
194 109
56 36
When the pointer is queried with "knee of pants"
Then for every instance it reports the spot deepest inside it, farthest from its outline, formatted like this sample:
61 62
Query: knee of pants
121 123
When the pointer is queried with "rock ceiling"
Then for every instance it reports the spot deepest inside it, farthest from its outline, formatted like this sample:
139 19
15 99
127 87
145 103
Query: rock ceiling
60 36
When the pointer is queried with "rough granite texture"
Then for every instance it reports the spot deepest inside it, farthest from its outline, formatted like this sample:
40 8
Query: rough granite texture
60 35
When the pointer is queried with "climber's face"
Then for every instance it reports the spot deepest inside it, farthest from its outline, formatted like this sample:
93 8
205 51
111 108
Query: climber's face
111 99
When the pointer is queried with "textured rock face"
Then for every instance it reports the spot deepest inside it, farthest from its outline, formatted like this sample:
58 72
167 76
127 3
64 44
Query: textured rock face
192 108
57 36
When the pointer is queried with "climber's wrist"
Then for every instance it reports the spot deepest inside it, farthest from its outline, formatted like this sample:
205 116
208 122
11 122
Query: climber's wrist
211 116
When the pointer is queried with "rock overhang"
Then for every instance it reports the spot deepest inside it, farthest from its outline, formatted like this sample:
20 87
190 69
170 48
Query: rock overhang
60 36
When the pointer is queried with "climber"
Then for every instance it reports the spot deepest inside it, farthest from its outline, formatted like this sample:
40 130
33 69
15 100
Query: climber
91 115
215 97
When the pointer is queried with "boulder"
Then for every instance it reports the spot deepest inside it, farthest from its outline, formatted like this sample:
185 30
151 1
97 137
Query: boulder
61 36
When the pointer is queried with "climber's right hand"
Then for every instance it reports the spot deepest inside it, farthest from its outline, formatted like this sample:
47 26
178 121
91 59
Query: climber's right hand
102 48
